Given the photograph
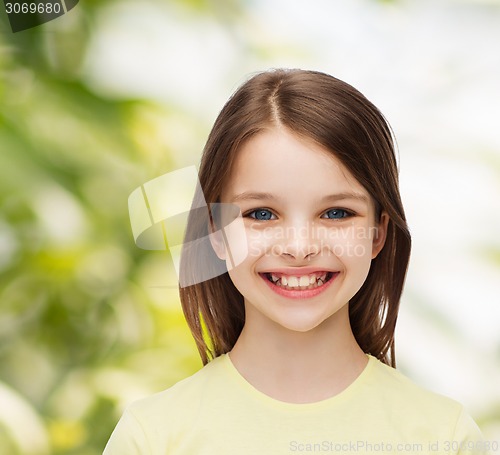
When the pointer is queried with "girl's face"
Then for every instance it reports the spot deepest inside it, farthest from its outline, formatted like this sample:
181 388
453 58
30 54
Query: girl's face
310 229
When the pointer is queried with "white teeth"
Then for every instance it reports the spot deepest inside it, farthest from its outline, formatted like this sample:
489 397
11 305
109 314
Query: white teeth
304 281
298 282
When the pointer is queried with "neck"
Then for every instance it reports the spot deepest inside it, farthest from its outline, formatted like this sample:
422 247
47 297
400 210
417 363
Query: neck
299 366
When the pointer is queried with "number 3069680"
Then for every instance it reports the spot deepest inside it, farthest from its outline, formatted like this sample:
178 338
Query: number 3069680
32 8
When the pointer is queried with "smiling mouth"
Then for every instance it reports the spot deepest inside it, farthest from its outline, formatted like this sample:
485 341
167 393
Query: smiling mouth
299 283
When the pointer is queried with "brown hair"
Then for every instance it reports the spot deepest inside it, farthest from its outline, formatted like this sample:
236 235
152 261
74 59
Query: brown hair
339 118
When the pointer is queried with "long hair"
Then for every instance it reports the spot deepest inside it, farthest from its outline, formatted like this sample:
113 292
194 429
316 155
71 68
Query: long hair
336 116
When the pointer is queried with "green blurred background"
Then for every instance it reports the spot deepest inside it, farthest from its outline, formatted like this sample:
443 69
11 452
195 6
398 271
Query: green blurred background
116 93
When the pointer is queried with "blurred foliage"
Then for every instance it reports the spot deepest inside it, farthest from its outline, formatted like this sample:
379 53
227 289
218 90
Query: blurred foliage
82 333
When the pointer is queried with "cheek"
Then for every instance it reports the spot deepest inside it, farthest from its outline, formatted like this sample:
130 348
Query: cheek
350 243
355 256
234 238
249 243
263 241
242 281
355 253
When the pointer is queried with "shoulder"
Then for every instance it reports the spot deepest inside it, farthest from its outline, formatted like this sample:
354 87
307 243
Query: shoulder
142 427
422 409
181 399
400 391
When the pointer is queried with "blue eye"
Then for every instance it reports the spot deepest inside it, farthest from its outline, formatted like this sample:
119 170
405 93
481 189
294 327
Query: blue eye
261 214
336 214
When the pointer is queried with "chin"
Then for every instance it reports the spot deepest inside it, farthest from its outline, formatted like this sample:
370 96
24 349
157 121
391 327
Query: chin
303 323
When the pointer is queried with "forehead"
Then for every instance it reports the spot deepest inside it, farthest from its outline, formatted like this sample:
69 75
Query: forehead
280 162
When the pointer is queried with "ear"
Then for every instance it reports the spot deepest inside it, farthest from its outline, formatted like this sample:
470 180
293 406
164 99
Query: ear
380 234
217 241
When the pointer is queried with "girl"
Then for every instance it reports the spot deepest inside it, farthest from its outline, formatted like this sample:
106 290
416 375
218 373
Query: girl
297 338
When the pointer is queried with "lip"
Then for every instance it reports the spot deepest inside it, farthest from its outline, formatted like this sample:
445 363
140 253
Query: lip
298 271
297 293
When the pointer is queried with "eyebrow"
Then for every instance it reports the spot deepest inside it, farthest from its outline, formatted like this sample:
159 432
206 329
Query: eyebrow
258 196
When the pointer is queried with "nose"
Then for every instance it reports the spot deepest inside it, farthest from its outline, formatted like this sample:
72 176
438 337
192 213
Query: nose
300 242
